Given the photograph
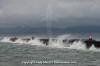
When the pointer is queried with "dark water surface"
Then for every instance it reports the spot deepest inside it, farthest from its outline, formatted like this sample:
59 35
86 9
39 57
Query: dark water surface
14 54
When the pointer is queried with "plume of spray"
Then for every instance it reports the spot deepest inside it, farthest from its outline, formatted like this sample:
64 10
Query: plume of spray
5 39
58 43
94 49
78 45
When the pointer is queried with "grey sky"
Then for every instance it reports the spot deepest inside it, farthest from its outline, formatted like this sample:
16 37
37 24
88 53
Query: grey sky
60 13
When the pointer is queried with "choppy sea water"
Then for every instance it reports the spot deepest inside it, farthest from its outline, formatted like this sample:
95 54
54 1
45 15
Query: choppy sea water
14 54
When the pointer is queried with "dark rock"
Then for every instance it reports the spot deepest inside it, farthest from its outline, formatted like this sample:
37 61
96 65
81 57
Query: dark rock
45 41
13 39
26 39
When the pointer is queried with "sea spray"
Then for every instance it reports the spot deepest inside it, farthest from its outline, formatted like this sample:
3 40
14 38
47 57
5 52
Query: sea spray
35 42
94 49
56 42
78 45
5 39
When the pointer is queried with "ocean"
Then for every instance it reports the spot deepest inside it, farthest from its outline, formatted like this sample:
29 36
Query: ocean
56 53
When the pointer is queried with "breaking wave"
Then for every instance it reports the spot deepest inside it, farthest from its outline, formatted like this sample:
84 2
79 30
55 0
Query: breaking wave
52 42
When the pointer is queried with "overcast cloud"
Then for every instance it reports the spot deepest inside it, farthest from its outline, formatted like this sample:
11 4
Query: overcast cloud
60 13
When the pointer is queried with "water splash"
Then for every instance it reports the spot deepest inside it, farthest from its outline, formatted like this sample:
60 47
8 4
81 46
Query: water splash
57 43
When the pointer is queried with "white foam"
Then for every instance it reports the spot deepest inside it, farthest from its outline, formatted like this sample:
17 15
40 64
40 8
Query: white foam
58 43
35 42
20 41
5 39
94 49
78 45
